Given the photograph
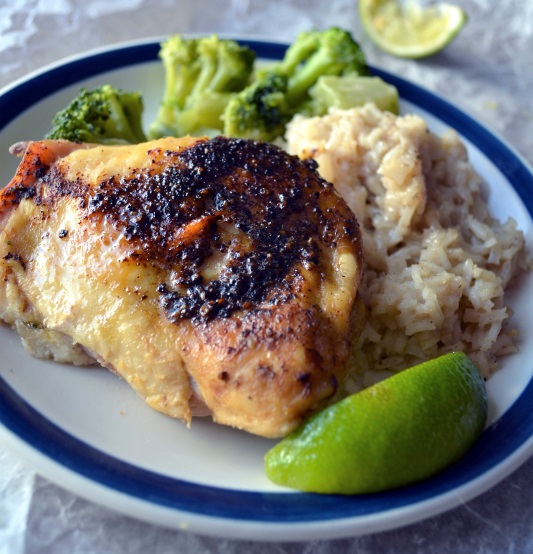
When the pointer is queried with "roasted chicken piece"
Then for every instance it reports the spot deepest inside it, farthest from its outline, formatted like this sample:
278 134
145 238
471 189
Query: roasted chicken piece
217 275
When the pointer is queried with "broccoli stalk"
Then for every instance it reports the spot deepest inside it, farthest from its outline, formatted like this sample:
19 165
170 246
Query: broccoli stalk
201 76
104 115
262 110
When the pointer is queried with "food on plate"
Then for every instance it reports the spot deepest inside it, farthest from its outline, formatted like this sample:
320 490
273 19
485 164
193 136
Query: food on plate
437 263
350 91
283 89
261 110
226 276
213 86
104 115
314 54
408 29
201 75
397 432
213 275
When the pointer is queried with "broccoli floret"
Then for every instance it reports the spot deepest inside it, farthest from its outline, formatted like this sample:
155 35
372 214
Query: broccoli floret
260 111
104 115
317 53
278 92
201 76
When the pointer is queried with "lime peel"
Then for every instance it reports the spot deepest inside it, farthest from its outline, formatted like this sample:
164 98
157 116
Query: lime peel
400 431
410 30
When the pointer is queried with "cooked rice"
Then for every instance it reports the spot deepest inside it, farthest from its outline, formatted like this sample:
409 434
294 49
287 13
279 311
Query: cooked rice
436 262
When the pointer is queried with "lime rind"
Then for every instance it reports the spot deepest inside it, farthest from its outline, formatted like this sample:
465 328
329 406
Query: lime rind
397 432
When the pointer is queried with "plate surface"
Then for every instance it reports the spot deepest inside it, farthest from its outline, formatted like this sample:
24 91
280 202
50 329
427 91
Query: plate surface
86 430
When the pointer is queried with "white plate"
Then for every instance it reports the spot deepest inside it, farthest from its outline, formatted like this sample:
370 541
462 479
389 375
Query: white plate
86 430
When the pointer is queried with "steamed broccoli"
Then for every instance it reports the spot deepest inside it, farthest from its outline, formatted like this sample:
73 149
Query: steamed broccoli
262 109
104 115
201 75
317 53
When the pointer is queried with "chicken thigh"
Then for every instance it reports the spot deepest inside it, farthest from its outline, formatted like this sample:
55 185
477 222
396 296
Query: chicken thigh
212 275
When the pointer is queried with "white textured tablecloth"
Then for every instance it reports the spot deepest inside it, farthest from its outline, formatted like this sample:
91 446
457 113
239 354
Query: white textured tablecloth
487 71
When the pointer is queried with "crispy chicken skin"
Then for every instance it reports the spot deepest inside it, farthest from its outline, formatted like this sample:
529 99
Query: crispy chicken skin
217 275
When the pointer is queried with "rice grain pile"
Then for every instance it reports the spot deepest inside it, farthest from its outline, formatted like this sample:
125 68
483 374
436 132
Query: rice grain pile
436 262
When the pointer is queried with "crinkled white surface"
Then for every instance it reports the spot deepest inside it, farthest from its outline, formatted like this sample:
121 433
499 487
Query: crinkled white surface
487 71
16 492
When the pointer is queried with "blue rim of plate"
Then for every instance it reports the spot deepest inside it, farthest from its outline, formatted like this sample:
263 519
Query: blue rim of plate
500 441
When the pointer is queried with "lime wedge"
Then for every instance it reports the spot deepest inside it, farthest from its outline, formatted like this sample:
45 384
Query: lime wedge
397 432
408 30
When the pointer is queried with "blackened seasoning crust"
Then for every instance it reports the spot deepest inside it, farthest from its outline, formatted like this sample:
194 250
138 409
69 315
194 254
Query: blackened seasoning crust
265 212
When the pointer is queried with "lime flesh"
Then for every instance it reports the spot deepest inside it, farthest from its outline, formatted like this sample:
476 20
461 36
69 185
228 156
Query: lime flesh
406 29
397 432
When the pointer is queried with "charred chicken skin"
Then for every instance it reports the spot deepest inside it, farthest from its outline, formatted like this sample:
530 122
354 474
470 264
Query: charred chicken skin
216 276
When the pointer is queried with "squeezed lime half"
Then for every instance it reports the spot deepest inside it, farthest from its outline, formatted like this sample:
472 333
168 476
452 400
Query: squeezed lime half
409 30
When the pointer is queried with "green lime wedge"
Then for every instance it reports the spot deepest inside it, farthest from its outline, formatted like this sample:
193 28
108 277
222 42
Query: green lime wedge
400 431
409 30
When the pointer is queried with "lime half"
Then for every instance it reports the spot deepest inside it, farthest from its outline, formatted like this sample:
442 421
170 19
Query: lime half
409 30
397 432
